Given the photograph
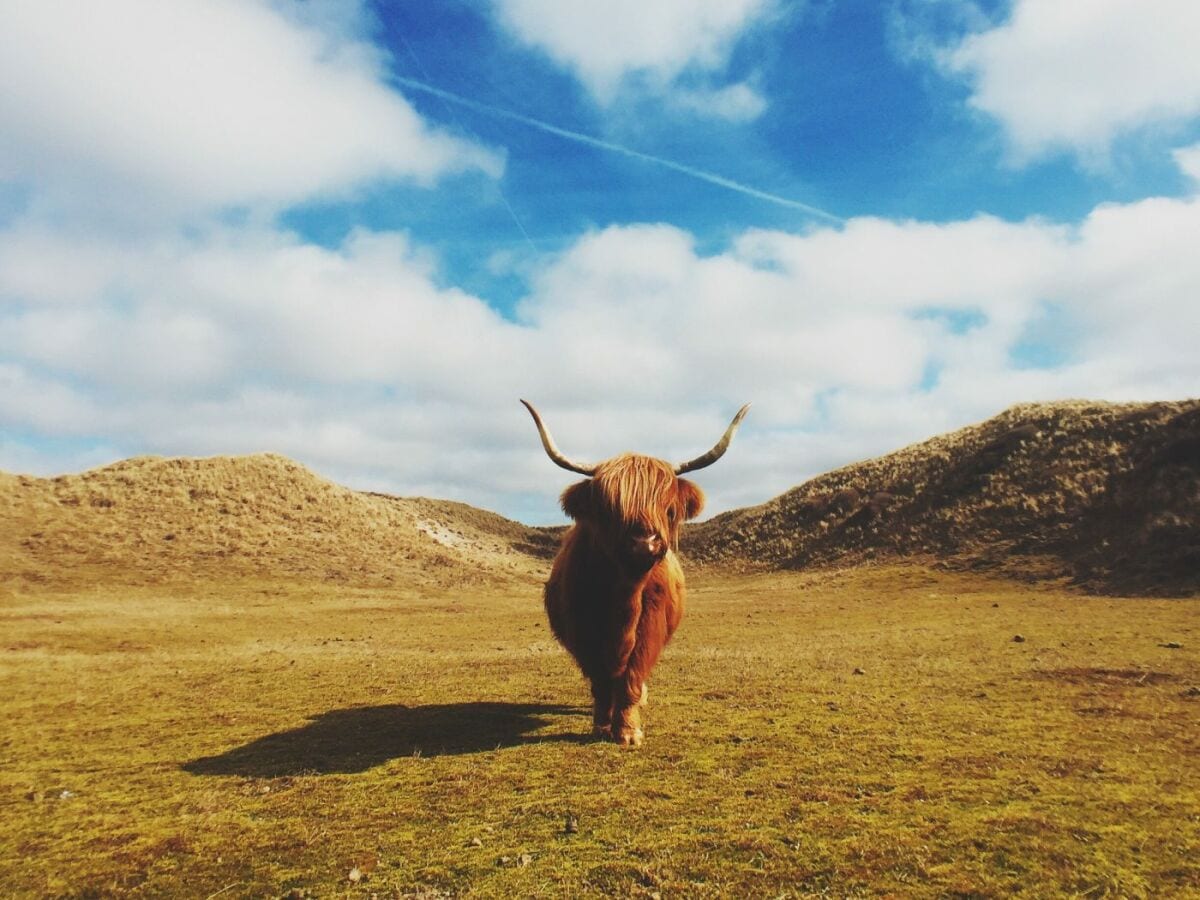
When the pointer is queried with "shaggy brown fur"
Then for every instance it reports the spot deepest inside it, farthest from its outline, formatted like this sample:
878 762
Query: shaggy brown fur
616 593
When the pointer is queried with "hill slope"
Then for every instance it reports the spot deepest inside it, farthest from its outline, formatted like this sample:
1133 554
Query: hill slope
149 519
1107 494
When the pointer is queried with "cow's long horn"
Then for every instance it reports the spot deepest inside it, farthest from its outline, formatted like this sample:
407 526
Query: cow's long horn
552 449
718 449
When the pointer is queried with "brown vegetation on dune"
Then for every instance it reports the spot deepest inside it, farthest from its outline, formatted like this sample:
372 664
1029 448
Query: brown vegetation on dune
150 519
1106 494
229 677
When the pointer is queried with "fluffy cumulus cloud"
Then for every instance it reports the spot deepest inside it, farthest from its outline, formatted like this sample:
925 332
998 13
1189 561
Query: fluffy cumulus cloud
855 341
184 313
850 342
1074 76
193 105
244 339
648 45
205 333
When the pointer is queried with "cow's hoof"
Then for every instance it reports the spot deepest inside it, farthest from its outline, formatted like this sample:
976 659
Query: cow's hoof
629 737
602 732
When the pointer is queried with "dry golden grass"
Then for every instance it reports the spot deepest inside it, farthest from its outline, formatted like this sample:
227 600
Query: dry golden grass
151 520
230 677
248 737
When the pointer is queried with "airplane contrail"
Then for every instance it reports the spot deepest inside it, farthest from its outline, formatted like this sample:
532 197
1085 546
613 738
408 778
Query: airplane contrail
579 137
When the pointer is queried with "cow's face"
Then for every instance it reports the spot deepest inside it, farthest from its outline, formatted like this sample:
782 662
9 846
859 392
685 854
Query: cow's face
636 505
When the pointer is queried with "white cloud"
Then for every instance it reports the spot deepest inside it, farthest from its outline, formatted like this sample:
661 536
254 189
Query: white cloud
195 105
360 361
626 41
1188 160
850 342
735 102
176 313
44 405
1074 76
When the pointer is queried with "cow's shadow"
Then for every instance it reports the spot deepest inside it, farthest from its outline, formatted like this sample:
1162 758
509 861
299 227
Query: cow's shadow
359 738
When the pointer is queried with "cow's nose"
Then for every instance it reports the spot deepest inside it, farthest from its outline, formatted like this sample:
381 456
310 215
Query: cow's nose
650 545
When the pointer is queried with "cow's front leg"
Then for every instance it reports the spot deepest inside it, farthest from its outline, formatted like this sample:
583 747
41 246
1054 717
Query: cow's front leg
626 718
602 707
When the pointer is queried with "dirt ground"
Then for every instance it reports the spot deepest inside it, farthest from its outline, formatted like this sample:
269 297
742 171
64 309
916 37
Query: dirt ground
876 731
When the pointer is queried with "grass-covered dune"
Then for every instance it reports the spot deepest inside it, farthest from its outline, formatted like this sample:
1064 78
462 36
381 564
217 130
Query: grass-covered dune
230 677
1106 494
878 731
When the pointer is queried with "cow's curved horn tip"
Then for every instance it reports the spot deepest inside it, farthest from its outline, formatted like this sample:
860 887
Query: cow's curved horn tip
741 414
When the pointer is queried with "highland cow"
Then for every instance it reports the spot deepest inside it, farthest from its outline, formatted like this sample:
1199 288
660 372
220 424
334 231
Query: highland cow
615 594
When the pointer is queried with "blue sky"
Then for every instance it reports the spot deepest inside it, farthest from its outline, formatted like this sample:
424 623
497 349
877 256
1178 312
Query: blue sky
355 233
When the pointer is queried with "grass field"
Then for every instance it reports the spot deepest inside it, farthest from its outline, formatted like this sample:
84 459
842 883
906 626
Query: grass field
876 731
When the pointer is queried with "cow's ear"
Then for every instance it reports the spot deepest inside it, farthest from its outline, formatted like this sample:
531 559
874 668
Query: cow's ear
691 498
577 500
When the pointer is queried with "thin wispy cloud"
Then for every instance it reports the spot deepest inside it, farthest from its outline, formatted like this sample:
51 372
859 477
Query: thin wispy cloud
600 144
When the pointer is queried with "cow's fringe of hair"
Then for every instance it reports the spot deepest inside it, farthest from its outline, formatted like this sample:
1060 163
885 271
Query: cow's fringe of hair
631 485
